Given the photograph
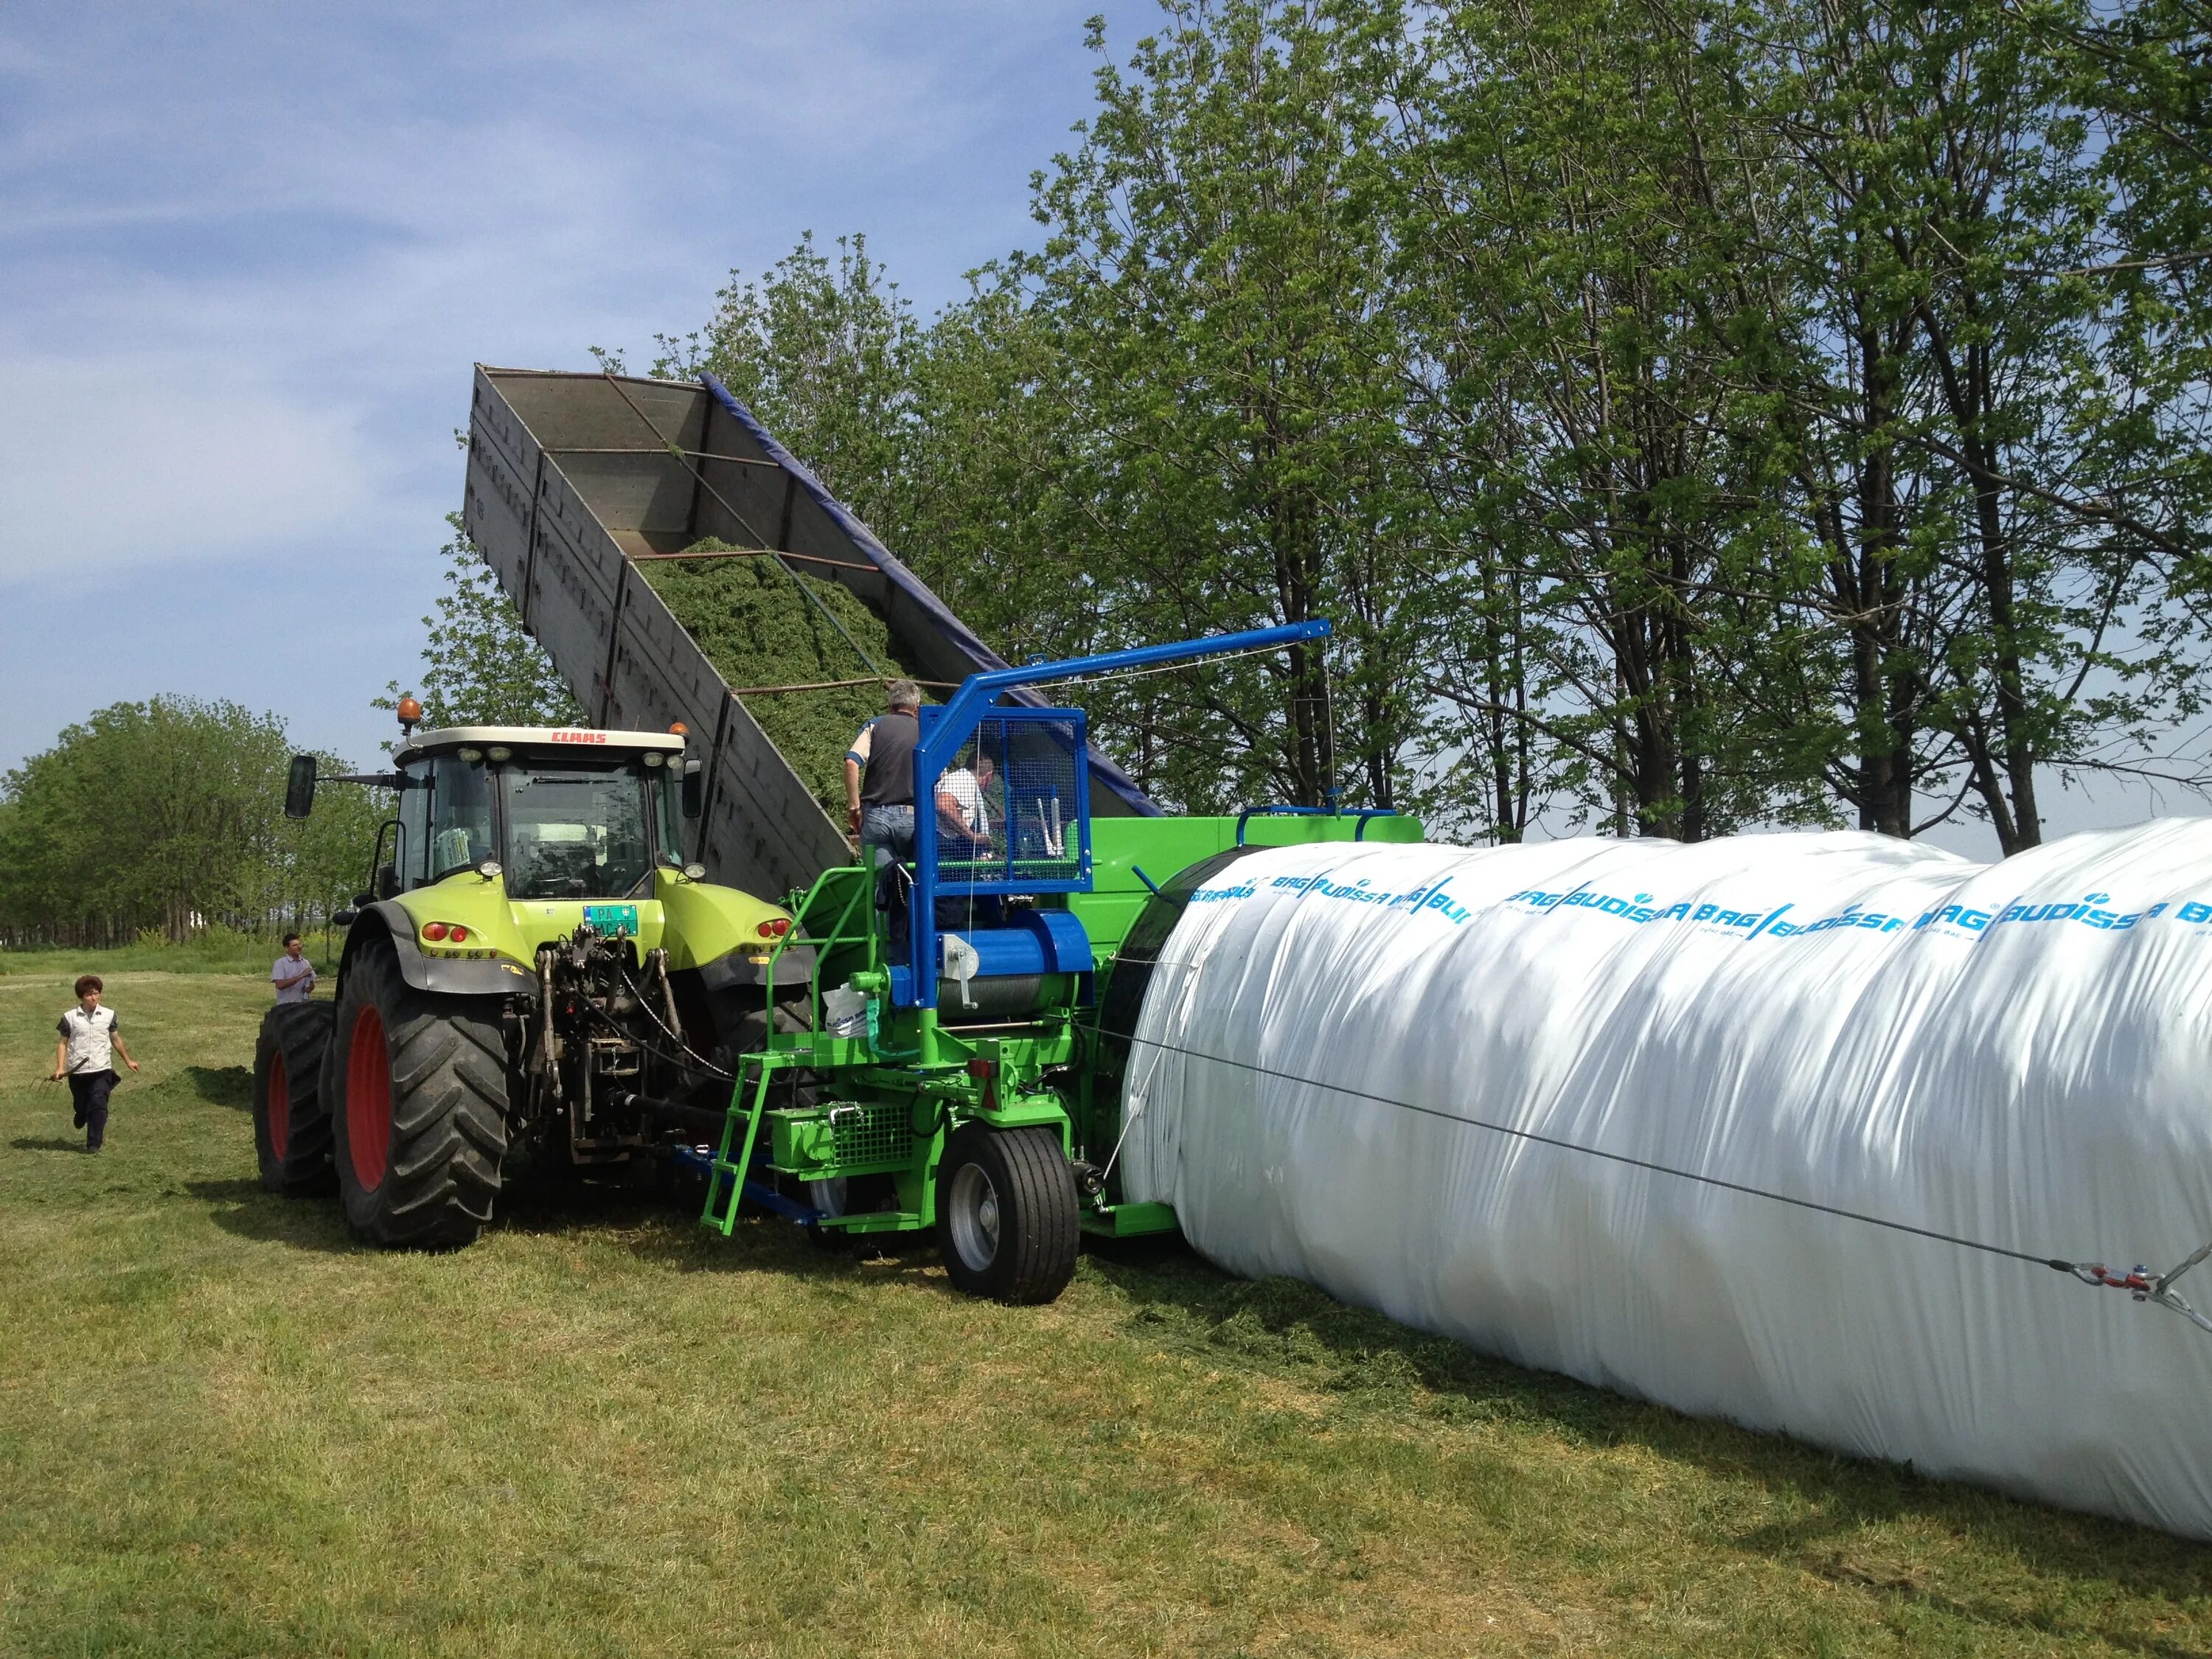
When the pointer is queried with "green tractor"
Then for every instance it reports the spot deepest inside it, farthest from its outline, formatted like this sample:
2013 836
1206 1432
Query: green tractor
536 972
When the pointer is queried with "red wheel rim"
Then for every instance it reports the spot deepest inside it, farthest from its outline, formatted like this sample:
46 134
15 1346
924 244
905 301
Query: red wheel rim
369 1101
280 1106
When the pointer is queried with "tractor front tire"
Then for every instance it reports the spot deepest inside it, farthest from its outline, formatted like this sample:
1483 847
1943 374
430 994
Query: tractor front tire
1007 1214
419 1106
291 1120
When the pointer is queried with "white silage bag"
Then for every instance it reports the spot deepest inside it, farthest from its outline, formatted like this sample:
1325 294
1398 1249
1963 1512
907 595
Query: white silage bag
2019 1055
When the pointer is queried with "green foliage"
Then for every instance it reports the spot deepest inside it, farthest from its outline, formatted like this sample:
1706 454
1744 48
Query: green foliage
1215 276
168 816
750 618
480 666
1693 416
824 354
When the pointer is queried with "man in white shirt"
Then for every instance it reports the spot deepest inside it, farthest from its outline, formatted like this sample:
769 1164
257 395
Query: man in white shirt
293 975
85 1056
963 813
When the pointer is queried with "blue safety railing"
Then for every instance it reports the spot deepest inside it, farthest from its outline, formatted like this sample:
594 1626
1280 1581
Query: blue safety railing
947 732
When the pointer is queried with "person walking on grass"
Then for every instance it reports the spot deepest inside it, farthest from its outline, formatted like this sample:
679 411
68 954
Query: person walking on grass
293 975
85 1056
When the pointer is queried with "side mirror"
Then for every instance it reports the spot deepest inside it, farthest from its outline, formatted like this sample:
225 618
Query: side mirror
387 882
299 787
695 789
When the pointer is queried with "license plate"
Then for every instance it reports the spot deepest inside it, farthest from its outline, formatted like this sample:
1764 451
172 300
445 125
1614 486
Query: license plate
611 921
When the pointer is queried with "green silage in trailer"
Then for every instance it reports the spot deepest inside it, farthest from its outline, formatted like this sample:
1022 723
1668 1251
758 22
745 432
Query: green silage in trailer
758 629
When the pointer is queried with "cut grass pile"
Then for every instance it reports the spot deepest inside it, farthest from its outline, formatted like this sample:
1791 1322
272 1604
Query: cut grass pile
757 628
224 1429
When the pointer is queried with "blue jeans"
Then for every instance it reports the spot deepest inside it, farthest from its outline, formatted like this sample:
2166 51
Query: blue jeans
887 838
891 828
88 1092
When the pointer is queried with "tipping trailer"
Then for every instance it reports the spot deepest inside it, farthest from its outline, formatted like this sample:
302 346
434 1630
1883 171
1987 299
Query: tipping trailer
577 482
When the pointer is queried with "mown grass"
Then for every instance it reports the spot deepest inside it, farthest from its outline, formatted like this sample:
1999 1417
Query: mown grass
225 1430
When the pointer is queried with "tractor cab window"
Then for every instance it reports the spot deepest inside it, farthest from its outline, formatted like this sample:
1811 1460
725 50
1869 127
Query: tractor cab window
411 856
460 814
666 787
576 832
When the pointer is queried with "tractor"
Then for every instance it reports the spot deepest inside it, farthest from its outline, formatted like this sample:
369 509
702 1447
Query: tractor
533 961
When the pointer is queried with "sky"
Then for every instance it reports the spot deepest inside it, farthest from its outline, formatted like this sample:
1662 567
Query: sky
249 253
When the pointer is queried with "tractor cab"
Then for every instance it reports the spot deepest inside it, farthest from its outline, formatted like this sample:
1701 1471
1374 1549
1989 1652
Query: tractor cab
563 815
507 839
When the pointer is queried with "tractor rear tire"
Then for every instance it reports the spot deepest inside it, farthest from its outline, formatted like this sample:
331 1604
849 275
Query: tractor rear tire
419 1108
291 1120
1008 1222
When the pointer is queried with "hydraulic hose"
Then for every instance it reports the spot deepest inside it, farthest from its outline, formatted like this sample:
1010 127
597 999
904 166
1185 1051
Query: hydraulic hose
670 1111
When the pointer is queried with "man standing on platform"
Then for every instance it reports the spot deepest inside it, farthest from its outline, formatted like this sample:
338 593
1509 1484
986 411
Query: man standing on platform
879 794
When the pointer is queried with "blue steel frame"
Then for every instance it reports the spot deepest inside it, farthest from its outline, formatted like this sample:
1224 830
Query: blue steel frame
950 727
1078 824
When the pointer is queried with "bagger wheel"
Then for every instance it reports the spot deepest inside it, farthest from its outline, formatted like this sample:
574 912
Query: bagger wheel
419 1108
291 1121
1007 1213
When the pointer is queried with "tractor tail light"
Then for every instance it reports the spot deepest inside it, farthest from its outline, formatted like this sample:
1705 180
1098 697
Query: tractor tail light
774 928
457 934
433 930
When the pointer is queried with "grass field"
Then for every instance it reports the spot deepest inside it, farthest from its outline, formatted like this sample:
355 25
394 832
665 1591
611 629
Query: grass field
216 952
224 1429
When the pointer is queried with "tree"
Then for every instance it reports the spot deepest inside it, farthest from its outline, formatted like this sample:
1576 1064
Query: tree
1695 414
1215 276
992 515
1995 446
168 814
824 355
480 666
1572 253
1802 443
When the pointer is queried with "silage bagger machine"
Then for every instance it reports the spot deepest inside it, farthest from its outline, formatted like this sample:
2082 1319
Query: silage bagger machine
931 1044
955 1064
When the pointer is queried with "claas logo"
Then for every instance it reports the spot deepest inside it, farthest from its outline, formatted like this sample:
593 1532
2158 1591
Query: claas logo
580 737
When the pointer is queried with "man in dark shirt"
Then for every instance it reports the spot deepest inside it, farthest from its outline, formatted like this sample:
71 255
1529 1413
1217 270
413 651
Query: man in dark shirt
879 794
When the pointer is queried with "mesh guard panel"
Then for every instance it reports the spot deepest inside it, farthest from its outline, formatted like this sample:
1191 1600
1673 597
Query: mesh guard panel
1010 814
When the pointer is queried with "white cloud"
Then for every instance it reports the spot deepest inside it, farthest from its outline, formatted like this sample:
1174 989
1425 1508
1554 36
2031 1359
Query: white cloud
107 463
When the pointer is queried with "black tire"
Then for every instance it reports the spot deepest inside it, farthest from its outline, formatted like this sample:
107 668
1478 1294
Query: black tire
418 1104
291 1120
1007 1221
